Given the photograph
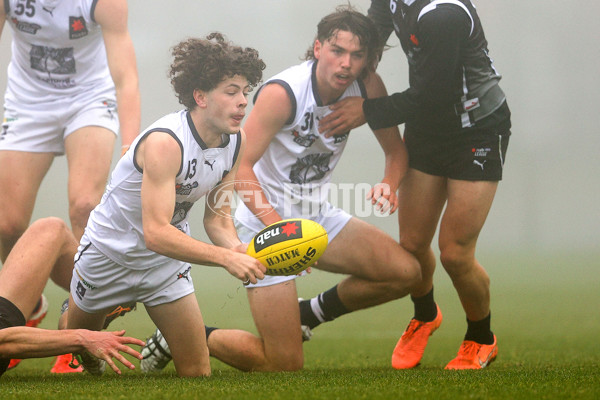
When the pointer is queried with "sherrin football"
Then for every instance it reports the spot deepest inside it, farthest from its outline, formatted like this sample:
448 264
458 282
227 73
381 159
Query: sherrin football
289 246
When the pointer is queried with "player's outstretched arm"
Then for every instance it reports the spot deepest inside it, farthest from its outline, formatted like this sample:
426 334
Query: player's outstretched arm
26 342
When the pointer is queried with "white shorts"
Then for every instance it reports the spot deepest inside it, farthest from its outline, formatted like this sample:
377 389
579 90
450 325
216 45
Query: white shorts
43 127
99 283
333 219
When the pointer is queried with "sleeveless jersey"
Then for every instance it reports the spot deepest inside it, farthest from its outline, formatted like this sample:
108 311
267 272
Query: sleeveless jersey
297 165
57 50
115 225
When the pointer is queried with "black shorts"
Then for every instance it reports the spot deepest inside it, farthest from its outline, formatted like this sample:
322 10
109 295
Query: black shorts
474 154
10 315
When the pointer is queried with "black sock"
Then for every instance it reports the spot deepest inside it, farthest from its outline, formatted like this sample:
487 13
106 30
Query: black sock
209 330
425 307
327 306
479 331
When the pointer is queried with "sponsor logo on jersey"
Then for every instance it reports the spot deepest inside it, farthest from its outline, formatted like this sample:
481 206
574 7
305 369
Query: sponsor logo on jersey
26 27
277 234
77 28
313 167
304 140
184 275
206 162
185 189
181 212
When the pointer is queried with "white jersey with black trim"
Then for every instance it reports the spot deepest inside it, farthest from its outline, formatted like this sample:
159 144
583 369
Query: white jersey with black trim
57 50
115 225
296 168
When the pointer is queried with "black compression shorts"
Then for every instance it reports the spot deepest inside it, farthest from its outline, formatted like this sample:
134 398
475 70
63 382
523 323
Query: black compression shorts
10 315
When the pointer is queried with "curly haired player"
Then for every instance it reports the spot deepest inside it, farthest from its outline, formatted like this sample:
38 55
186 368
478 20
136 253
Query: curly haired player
136 246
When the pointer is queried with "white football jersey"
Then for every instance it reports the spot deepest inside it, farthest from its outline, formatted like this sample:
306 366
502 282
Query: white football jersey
115 225
57 50
297 165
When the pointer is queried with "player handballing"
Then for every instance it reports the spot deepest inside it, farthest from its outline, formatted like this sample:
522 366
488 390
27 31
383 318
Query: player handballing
136 246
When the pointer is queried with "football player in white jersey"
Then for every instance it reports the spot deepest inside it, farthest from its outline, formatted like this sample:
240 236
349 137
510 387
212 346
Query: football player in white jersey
46 250
282 136
136 246
72 86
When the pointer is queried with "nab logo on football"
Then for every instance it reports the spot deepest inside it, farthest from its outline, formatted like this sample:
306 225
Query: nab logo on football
290 246
278 233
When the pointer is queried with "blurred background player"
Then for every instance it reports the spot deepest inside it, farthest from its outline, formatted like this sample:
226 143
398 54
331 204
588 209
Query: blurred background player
46 250
72 85
293 164
457 130
136 246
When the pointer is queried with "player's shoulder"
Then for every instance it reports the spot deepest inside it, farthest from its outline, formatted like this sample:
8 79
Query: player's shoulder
444 15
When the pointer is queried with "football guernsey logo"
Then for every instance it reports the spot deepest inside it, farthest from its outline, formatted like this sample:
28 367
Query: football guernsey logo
278 233
77 28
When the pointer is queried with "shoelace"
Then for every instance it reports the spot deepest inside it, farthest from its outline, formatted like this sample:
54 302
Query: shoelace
469 348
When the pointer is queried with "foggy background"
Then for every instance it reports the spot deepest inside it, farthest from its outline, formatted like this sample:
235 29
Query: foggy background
546 50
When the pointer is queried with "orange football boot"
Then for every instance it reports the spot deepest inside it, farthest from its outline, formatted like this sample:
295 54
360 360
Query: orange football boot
473 355
62 365
411 346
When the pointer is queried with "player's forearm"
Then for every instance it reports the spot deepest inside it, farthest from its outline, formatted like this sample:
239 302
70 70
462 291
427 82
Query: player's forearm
250 192
221 231
128 103
396 166
26 342
171 242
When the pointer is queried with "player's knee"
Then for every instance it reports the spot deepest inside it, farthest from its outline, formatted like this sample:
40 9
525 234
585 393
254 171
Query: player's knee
414 246
456 260
12 227
52 228
80 209
287 362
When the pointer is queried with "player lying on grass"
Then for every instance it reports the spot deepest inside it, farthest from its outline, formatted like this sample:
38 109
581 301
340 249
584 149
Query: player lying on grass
288 158
137 244
46 250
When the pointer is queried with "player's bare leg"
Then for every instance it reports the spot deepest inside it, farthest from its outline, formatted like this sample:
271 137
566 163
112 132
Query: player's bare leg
183 328
422 198
89 152
21 174
468 206
45 249
279 347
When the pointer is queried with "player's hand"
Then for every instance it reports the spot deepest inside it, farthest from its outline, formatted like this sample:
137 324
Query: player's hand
109 345
345 115
383 198
245 268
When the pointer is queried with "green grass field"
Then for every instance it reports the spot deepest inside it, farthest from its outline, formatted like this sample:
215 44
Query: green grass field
545 312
